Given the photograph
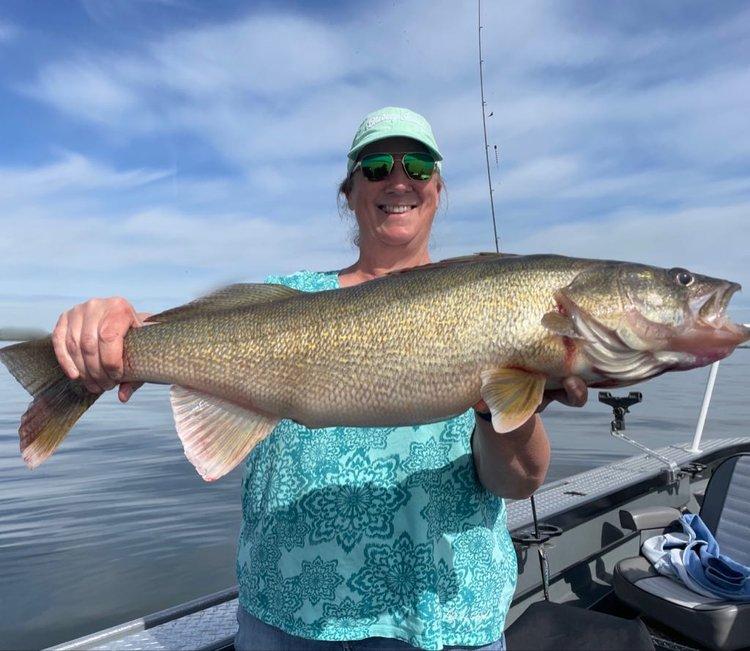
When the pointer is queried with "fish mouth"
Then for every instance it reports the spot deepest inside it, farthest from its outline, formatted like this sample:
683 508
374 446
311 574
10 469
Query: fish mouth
711 311
710 335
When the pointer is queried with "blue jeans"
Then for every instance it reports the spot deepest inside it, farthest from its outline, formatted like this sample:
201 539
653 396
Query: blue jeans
255 635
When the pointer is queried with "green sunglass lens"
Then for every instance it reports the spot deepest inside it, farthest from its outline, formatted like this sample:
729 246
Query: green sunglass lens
419 166
377 166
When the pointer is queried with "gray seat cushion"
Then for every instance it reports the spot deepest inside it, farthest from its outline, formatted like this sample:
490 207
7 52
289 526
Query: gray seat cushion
724 508
716 624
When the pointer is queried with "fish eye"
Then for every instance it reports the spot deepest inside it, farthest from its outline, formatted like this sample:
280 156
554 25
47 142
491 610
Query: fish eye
683 277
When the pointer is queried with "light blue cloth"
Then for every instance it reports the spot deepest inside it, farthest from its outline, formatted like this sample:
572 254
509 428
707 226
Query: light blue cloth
692 557
353 533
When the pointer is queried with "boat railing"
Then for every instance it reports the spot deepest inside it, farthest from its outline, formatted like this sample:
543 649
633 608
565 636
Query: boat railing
695 447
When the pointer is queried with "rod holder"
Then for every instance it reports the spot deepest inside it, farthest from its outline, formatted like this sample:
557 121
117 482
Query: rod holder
621 406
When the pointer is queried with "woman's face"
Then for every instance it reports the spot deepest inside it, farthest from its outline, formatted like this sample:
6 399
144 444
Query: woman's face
398 210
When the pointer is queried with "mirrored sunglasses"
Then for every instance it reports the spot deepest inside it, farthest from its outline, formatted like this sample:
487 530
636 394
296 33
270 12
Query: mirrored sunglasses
418 166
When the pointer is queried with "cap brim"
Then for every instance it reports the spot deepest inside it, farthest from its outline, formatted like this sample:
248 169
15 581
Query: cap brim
354 152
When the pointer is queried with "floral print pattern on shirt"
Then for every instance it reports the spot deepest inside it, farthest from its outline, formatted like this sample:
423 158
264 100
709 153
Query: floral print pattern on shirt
361 532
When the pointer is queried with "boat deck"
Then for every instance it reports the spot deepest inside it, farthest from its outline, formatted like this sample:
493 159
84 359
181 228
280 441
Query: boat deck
209 623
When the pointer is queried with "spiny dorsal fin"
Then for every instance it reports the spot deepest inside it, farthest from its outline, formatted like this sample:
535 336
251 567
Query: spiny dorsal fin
230 297
449 262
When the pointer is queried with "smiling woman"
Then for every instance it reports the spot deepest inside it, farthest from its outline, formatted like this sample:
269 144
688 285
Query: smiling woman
381 537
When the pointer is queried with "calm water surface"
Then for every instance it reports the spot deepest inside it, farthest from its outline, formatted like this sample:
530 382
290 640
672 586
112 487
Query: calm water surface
118 524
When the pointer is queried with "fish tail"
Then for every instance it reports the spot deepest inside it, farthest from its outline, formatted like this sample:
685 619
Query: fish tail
58 401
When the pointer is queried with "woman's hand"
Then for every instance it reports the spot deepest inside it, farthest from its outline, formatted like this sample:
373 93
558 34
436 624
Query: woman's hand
88 342
574 393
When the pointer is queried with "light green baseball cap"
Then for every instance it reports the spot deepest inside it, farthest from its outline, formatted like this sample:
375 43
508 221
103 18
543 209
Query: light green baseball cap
390 122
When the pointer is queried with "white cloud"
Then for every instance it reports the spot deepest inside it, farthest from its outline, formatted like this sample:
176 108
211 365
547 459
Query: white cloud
159 252
86 90
117 12
211 80
264 55
76 227
707 240
71 173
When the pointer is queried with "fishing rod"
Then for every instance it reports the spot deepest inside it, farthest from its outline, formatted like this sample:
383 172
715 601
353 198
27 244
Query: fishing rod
484 127
540 534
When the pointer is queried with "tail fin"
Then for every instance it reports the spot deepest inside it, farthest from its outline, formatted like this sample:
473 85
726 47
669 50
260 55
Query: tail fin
58 401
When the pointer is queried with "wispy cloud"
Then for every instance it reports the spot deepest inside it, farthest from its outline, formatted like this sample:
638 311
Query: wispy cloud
71 173
87 91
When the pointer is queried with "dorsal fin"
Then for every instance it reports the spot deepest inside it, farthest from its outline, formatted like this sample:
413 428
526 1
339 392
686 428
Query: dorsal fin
449 262
230 297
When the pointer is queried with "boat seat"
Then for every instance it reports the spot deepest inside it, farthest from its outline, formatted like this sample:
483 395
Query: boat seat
714 623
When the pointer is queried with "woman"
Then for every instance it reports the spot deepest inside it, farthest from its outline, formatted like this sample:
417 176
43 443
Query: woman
376 537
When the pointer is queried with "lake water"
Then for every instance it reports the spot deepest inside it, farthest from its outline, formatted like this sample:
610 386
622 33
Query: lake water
118 524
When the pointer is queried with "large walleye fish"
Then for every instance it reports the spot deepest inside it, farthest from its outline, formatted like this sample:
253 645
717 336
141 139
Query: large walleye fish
412 347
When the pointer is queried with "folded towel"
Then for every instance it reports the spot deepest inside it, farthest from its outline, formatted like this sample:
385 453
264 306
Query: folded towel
692 557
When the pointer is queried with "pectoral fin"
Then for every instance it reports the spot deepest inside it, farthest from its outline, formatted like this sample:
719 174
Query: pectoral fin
512 396
216 434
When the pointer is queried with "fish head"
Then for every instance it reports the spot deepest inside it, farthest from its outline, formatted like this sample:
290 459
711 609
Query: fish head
652 318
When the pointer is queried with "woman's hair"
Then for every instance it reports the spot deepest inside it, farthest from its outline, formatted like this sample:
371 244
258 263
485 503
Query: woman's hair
345 187
342 200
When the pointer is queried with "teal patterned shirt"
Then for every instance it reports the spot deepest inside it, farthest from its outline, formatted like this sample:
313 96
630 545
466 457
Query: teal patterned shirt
351 533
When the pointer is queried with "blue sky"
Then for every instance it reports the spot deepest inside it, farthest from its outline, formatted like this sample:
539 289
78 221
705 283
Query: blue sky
158 149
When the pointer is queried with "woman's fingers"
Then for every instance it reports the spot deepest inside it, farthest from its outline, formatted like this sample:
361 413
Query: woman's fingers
95 377
127 389
576 391
73 344
59 343
112 328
